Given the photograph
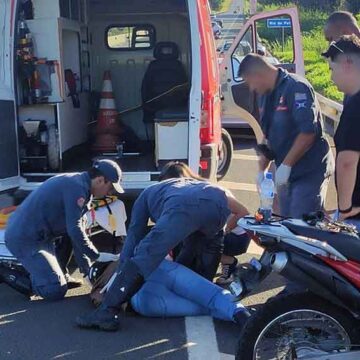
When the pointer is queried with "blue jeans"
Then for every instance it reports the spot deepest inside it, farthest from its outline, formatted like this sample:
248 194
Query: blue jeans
174 290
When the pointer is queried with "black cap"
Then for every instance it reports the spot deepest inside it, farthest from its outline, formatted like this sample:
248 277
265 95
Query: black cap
345 45
112 172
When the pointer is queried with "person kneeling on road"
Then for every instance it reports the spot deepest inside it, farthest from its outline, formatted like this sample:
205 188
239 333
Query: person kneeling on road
236 240
58 206
179 207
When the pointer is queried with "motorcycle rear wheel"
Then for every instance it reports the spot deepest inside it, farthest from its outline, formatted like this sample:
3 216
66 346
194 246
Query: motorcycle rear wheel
297 324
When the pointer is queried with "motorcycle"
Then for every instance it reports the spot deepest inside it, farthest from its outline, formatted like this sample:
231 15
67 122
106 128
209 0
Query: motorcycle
322 317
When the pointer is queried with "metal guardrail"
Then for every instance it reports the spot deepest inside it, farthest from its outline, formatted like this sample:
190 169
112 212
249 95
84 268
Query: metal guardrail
332 111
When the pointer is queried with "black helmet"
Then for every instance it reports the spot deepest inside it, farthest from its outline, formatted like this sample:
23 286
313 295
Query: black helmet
96 270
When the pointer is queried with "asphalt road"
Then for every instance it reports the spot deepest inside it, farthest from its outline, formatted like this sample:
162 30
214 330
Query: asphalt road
40 330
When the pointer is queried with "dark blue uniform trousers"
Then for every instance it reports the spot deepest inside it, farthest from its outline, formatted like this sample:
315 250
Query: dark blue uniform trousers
39 260
303 195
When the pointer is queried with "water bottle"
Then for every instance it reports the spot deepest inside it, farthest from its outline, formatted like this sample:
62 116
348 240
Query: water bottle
267 190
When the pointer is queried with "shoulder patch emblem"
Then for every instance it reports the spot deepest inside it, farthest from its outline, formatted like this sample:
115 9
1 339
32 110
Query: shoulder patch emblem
300 97
81 202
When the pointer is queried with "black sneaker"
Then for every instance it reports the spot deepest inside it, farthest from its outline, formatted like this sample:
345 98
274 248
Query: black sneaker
100 319
227 273
72 283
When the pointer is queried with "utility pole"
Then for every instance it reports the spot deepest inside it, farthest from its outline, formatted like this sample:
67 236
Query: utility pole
253 4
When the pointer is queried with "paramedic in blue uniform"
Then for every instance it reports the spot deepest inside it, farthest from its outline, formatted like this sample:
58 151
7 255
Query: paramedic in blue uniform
291 121
58 206
179 208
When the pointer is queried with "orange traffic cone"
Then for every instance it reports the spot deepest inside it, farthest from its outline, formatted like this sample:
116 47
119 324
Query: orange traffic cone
107 129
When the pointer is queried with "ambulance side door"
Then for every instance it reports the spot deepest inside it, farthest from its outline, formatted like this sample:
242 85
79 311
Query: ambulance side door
275 35
9 158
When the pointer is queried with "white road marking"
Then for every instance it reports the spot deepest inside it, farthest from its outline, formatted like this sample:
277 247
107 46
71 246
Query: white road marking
171 351
142 347
245 157
231 185
200 332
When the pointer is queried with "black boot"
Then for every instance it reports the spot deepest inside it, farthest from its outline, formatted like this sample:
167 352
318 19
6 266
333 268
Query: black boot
127 282
242 316
16 279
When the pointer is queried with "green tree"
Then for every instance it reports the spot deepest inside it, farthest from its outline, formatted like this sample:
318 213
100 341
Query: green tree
215 4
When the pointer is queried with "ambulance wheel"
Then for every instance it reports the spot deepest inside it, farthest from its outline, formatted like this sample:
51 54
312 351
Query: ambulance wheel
53 148
225 154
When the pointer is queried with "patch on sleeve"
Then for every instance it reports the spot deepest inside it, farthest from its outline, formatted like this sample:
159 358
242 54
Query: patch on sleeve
81 202
300 97
300 100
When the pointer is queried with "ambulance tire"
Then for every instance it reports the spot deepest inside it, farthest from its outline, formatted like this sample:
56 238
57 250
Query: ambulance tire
53 148
226 154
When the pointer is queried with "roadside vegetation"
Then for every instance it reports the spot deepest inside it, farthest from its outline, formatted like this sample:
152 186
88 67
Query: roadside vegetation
224 6
219 5
313 41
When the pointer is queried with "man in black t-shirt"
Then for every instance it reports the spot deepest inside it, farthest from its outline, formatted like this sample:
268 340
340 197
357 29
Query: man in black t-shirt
338 24
344 60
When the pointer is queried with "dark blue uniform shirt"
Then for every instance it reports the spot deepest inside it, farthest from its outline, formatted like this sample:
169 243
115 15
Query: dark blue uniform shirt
161 197
57 207
291 109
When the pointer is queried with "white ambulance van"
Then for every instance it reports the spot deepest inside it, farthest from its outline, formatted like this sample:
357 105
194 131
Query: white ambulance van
159 64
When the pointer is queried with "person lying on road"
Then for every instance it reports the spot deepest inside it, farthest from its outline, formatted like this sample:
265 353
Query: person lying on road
179 207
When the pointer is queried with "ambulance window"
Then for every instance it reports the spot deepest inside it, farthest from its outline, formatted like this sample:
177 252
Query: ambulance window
130 37
245 46
275 39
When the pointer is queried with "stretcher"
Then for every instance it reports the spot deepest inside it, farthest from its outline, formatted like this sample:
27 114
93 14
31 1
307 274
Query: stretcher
109 217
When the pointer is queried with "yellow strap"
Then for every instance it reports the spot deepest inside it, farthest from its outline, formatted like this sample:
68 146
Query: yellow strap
112 222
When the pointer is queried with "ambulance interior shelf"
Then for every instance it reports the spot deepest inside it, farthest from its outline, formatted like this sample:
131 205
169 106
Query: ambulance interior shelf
38 62
35 80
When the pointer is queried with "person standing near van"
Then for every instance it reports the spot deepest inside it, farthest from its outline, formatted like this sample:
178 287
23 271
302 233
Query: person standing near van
57 207
340 23
344 60
179 208
291 121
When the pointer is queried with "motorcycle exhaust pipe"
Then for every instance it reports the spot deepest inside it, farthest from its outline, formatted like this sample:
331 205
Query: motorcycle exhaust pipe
278 261
289 267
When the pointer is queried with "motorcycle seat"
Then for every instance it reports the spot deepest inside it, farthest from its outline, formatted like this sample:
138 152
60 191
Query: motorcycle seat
346 243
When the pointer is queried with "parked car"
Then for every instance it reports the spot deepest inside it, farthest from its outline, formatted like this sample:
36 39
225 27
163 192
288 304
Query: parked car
224 47
217 20
216 30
